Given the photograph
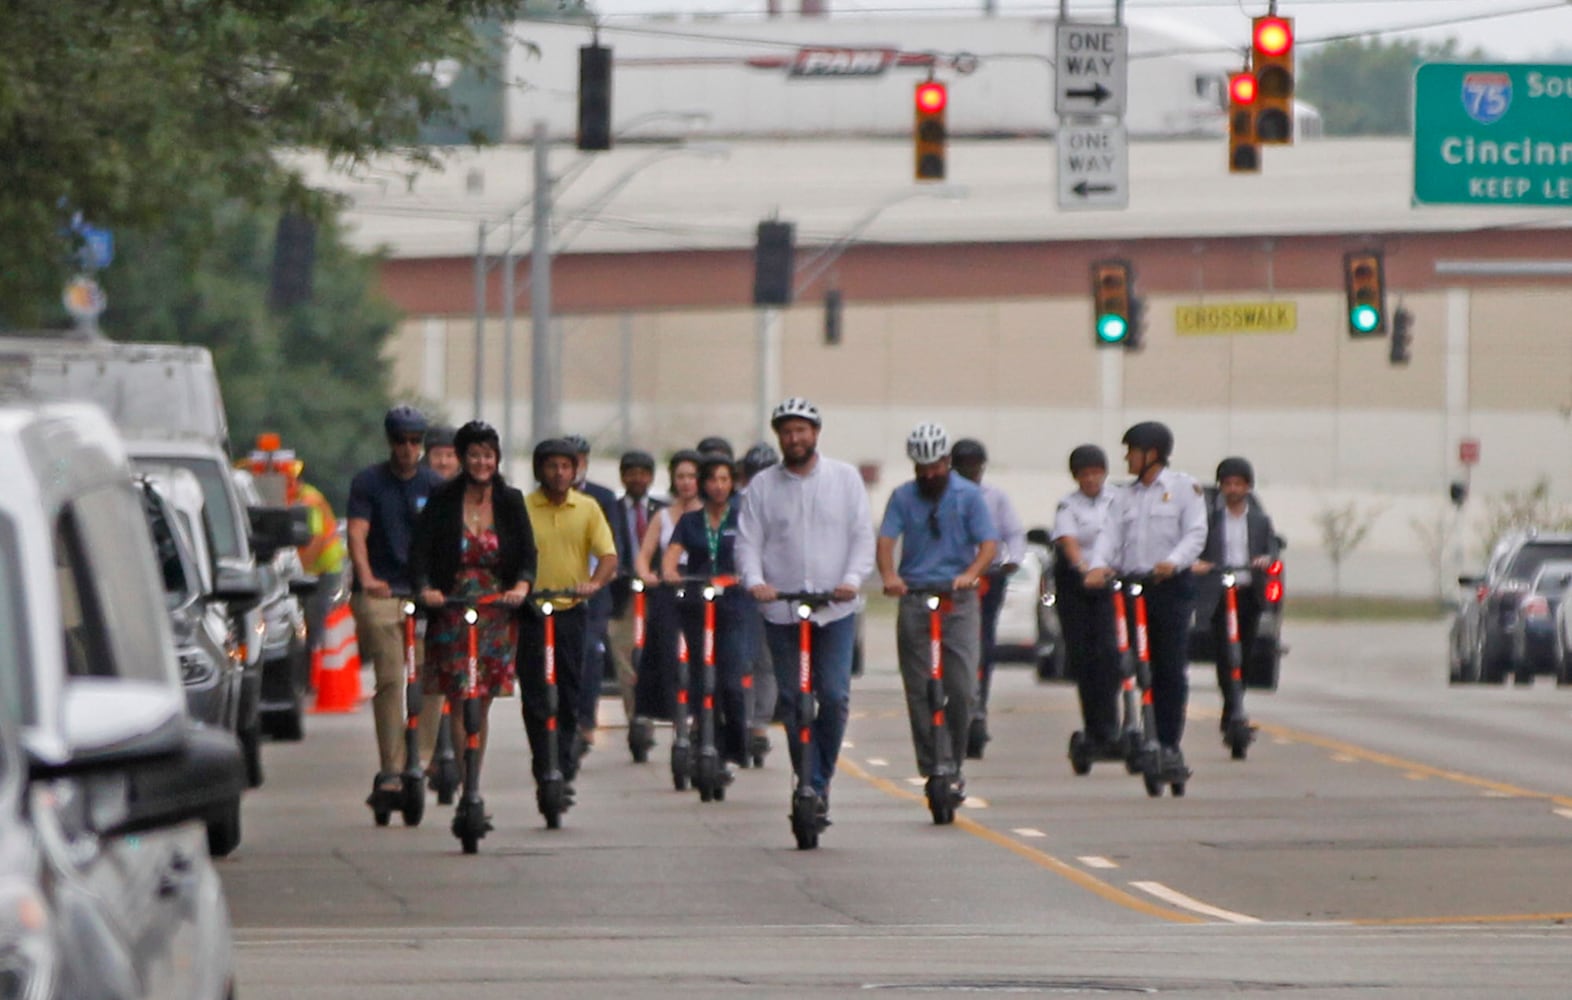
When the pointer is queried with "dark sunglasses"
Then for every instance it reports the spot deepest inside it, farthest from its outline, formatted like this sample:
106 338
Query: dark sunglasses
415 439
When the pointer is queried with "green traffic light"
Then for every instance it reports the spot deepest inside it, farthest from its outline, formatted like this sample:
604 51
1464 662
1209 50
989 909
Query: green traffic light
1364 318
1112 328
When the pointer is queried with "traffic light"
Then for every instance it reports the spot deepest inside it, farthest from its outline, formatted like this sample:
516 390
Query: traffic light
833 307
1112 299
930 134
1272 59
1402 336
594 97
773 266
294 260
1244 150
1365 281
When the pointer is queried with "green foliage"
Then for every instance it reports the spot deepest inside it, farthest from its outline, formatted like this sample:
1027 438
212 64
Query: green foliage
1343 529
1515 510
131 112
1366 86
314 373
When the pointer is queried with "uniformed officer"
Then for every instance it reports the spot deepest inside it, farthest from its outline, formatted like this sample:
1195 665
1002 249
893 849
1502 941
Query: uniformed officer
1086 615
1156 527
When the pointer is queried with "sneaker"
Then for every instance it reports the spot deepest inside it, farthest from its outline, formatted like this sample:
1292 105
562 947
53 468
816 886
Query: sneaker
1171 762
821 809
958 790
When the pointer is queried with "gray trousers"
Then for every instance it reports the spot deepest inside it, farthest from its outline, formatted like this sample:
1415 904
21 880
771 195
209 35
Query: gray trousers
962 627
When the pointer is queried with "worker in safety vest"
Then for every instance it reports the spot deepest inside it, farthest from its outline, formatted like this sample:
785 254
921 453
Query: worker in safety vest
277 471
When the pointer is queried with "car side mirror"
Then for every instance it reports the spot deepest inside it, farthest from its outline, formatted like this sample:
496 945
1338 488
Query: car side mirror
238 587
1039 536
1282 543
304 586
275 528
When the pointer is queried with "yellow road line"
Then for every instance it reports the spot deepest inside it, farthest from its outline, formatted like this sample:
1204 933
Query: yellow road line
1042 859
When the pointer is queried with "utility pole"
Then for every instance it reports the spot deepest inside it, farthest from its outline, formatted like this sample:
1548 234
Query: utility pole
480 315
545 364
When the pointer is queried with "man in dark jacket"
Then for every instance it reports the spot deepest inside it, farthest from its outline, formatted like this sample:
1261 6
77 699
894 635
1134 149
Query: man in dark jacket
597 641
1239 537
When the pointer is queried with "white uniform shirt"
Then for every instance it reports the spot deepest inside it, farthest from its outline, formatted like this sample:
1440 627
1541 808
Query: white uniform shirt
1164 521
1012 534
1081 517
812 533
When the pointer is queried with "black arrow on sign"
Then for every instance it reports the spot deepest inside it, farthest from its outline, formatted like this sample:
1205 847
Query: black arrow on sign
1098 93
1085 188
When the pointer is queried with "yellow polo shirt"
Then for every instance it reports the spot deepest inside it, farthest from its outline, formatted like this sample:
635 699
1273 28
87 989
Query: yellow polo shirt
566 535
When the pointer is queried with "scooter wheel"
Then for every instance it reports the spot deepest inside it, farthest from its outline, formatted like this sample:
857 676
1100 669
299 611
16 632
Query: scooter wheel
470 844
413 804
549 798
681 768
1080 759
1238 749
704 778
382 816
804 824
1154 785
1178 789
758 760
720 793
1132 752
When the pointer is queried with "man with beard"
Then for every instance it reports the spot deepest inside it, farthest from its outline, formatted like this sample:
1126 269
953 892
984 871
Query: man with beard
804 525
947 542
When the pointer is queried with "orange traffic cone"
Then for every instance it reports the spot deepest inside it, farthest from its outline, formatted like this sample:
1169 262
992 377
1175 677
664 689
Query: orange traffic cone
338 687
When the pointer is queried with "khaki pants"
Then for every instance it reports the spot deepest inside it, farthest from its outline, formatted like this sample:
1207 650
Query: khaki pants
619 650
379 630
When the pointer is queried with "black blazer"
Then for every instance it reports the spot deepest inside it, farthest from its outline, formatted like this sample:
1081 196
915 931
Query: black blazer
434 556
1260 539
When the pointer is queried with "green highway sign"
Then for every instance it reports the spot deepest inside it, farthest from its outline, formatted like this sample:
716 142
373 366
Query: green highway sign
1493 134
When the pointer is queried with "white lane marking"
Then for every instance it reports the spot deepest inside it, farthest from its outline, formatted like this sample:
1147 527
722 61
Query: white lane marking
973 802
848 744
1563 813
878 762
1491 793
1343 758
1280 741
919 782
1096 861
1026 831
1179 899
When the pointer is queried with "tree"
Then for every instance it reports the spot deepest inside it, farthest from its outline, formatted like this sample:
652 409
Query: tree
1343 529
1516 510
314 372
1366 86
121 111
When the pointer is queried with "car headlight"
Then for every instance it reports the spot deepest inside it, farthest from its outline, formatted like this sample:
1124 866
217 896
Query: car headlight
196 667
28 955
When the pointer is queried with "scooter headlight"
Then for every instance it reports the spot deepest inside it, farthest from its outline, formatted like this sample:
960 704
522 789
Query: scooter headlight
932 602
471 616
709 593
1229 579
29 958
409 608
636 585
804 612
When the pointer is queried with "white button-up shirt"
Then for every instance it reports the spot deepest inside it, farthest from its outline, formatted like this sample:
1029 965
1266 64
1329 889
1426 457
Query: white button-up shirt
1081 517
806 533
1164 521
1012 534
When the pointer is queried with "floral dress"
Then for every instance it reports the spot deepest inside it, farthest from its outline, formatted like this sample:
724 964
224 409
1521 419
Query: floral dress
447 637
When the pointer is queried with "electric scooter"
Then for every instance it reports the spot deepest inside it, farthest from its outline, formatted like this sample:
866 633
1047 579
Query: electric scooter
470 822
1084 752
710 777
806 822
444 761
641 730
1153 773
940 789
551 793
1239 733
410 798
681 745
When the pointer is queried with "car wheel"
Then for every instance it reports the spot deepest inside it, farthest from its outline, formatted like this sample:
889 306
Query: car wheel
251 750
1492 665
1051 665
288 724
223 833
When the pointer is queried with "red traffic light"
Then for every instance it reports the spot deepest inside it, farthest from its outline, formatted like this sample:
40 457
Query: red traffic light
1242 88
931 97
1274 36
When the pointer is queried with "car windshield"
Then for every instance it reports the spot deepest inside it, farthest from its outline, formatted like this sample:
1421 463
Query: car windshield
1553 578
214 478
16 689
1534 555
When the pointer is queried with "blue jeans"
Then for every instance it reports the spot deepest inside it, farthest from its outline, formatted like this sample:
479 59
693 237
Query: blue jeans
831 646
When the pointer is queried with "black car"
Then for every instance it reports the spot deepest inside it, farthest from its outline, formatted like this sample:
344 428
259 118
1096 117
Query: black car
1480 647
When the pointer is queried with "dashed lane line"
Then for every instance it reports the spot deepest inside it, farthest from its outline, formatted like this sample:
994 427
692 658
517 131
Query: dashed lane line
1097 861
1194 905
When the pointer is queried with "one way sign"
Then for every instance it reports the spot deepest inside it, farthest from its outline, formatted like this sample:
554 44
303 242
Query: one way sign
1094 171
1091 69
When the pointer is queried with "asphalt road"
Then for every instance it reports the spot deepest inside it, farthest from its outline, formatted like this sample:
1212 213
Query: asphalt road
1387 837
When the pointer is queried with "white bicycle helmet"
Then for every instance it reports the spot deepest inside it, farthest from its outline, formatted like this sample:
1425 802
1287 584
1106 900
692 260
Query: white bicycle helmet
796 407
927 443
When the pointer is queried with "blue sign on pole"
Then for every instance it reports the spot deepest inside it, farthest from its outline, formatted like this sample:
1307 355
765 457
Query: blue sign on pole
98 247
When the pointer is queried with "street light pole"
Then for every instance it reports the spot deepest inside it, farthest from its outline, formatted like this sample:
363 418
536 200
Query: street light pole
545 368
480 315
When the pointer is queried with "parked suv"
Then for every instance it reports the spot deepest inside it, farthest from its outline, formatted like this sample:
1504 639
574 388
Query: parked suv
105 781
1480 643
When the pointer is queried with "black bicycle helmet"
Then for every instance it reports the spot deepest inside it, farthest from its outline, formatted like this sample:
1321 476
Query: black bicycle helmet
439 436
553 447
1236 466
637 460
760 457
476 432
403 419
580 443
1087 456
718 445
968 450
1149 434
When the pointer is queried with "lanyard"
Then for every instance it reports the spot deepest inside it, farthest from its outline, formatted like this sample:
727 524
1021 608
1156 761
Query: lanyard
712 537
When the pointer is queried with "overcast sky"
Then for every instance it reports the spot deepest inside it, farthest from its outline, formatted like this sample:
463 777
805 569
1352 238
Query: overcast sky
1542 28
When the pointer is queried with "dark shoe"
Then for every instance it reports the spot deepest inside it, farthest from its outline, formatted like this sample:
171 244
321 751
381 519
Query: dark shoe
958 790
821 810
1170 763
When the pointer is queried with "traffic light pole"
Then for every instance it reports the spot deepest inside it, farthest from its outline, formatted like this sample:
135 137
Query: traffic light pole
768 339
545 361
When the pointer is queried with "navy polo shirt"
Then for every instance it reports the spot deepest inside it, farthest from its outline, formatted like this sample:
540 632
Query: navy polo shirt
391 505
